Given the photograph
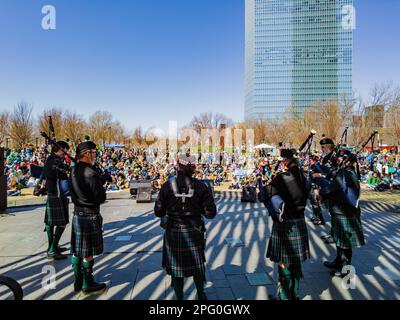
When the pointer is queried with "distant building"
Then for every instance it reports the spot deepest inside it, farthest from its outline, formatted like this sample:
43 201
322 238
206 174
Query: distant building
297 52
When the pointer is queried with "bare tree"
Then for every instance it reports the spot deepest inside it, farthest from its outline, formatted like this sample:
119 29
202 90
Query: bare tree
75 127
21 124
381 94
100 126
358 124
209 120
138 137
57 116
392 120
119 133
261 130
4 126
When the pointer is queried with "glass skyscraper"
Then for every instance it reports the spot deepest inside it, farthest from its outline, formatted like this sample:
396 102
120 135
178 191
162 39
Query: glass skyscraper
297 52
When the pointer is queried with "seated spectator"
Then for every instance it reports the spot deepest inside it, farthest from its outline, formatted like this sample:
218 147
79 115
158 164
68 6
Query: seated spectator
373 181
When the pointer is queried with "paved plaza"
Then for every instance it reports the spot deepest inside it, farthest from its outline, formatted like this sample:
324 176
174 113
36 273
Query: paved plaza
236 247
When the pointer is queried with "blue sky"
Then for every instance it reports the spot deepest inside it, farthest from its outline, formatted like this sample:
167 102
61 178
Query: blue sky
150 61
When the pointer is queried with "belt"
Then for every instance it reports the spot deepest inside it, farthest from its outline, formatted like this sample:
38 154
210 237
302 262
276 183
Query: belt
183 214
90 211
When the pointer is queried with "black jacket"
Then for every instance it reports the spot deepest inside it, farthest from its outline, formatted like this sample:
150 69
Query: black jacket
337 190
202 202
291 186
86 188
54 170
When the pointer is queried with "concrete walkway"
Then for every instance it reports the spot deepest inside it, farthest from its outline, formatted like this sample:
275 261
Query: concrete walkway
236 247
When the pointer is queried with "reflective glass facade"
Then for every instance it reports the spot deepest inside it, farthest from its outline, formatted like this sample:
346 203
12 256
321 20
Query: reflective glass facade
297 52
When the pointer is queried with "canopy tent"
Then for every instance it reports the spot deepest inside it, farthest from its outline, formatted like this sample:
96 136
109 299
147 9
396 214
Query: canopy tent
264 146
114 145
242 172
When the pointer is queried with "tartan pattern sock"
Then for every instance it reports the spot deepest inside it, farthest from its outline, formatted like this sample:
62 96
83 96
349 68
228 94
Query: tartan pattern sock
50 237
57 236
296 274
284 280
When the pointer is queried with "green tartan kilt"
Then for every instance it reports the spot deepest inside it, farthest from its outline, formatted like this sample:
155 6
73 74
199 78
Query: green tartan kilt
87 235
183 251
347 227
288 242
57 211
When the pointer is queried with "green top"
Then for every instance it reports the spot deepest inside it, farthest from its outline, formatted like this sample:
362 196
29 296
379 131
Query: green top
372 181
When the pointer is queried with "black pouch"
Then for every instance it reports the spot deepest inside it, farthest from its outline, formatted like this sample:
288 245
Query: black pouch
164 222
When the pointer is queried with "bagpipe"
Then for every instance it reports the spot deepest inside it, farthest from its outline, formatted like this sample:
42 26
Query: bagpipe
274 204
105 176
337 187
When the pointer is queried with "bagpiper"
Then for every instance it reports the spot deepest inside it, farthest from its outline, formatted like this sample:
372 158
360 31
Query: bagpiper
344 193
57 205
181 204
288 244
323 171
87 193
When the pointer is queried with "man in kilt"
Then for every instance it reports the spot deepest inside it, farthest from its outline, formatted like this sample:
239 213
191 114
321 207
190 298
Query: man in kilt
87 193
343 193
288 244
56 214
181 203
323 171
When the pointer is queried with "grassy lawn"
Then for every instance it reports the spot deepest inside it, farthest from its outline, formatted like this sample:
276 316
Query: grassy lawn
392 197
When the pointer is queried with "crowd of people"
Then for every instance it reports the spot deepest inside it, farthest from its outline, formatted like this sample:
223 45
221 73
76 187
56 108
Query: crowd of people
378 171
23 168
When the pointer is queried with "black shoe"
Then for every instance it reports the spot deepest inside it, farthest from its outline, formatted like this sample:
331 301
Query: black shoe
326 236
202 297
317 222
78 285
95 287
333 265
56 256
61 250
274 297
